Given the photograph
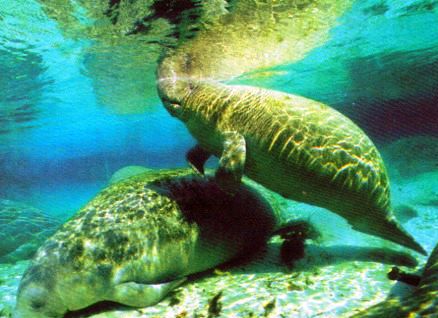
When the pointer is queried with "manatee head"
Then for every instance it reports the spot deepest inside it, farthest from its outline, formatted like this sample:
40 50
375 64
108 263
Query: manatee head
174 83
37 294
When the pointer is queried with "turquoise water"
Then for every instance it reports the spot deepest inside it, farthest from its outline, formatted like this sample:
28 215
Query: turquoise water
378 67
76 105
56 136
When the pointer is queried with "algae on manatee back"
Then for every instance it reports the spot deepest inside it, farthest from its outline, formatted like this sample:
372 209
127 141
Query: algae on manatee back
139 238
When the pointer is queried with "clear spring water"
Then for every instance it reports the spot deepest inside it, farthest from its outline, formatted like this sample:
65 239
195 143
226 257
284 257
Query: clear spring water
75 108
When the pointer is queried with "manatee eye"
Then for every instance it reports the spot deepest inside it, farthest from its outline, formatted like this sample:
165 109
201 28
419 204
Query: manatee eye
37 304
176 106
175 109
36 298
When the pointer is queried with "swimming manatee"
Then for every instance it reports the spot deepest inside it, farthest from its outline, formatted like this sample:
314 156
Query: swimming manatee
423 302
297 147
140 238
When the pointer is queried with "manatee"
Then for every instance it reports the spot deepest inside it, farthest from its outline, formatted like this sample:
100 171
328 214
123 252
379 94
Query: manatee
297 147
140 238
423 302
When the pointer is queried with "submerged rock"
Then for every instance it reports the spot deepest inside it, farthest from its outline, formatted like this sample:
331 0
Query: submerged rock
22 230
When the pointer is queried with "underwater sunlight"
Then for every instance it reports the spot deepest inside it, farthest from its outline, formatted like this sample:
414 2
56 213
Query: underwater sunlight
218 158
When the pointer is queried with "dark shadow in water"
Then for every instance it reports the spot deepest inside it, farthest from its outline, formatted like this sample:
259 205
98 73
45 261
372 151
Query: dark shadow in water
394 95
319 256
325 256
388 94
96 309
393 119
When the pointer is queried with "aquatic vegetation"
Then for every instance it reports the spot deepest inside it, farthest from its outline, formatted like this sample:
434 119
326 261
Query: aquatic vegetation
269 307
215 306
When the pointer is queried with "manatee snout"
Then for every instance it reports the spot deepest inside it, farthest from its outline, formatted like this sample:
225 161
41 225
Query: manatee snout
36 297
35 301
173 88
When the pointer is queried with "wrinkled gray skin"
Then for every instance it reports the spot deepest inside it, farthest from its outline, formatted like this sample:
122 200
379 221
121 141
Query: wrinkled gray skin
138 239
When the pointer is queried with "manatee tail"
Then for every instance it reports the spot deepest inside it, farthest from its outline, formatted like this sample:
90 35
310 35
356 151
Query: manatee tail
389 229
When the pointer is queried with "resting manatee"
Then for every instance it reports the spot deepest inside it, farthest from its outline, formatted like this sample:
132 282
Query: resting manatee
422 303
138 239
297 147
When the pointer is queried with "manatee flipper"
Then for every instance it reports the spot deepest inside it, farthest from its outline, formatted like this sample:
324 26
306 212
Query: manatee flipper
197 156
142 295
232 161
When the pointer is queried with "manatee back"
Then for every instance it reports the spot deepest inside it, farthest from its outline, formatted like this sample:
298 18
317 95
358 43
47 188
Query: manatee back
301 149
158 226
314 146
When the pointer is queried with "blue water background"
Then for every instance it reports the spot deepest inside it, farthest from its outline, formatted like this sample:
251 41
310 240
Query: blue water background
59 144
